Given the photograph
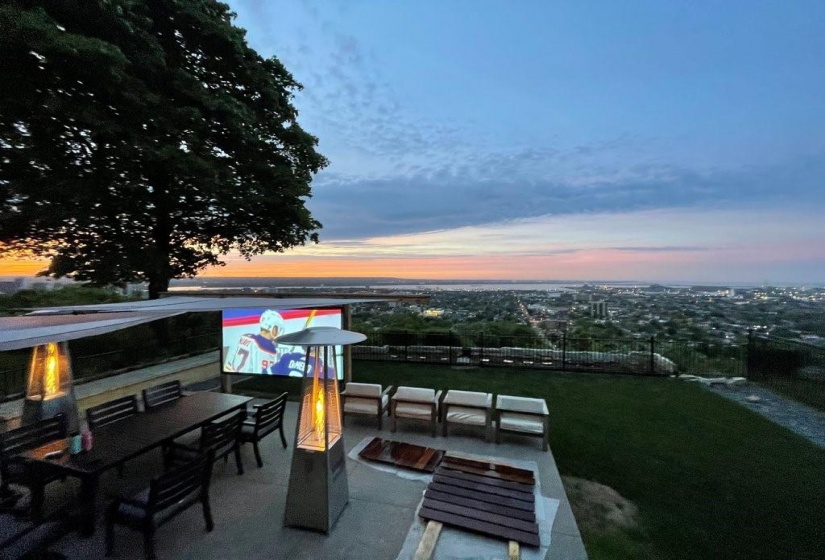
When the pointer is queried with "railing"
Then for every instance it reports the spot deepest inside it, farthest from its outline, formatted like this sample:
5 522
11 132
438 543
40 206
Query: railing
636 356
88 366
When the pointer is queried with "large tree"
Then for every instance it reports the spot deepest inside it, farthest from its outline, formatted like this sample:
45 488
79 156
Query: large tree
142 140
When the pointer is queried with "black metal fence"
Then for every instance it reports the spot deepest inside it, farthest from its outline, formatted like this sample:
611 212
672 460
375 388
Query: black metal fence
793 368
637 356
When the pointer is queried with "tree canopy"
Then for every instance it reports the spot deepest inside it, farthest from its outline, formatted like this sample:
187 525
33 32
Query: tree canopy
142 140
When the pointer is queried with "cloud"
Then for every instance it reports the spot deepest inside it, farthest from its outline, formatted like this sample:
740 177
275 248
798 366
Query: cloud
522 185
661 249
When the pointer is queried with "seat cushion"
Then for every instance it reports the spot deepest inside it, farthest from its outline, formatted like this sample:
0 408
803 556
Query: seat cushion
469 398
516 422
21 538
418 394
412 410
522 404
363 390
462 415
134 514
363 406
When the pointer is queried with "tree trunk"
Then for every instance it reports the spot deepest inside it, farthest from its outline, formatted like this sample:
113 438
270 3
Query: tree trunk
157 286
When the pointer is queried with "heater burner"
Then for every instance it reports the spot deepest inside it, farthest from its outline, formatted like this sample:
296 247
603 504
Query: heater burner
49 390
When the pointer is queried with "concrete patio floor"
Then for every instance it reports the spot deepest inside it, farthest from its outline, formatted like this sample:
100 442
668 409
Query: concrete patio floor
249 509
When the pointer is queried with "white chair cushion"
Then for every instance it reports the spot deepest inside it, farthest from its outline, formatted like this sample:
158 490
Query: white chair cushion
363 406
520 423
461 415
522 404
469 398
409 410
363 390
418 394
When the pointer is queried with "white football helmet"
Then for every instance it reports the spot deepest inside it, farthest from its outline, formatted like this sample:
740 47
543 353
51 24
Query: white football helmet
272 320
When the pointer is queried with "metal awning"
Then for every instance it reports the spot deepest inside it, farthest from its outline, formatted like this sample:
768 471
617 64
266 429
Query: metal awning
184 304
56 324
31 330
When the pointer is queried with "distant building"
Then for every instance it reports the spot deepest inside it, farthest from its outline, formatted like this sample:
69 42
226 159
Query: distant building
598 309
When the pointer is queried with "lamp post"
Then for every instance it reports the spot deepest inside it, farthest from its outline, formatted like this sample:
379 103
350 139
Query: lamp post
49 389
318 490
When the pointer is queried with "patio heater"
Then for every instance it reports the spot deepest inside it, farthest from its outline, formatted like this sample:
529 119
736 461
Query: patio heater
49 390
318 489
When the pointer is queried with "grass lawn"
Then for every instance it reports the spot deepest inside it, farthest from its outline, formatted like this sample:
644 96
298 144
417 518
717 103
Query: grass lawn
711 479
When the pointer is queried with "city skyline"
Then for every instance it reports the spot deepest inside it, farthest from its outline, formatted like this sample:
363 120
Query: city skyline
639 141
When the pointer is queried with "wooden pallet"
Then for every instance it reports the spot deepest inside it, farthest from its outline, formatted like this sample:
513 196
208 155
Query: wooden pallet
404 455
492 499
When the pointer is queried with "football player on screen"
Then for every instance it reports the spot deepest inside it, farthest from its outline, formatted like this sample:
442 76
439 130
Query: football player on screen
256 353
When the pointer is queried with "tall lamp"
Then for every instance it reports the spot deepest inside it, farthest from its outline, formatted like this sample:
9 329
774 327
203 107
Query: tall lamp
318 489
49 390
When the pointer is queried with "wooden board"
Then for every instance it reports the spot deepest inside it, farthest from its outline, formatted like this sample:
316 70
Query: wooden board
491 529
482 496
492 470
403 455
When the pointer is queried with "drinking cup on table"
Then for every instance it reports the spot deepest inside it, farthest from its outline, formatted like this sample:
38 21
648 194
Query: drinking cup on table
76 445
88 441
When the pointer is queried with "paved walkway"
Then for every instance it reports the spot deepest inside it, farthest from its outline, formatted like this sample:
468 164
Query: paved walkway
799 418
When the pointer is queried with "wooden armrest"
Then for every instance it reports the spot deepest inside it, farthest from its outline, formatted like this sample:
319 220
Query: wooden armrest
388 390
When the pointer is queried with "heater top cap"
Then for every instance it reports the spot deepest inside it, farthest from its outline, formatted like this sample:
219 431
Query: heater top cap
321 336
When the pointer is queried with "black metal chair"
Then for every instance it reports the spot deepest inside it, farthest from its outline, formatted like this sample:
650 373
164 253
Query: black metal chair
19 440
221 438
168 495
162 394
111 412
22 538
267 418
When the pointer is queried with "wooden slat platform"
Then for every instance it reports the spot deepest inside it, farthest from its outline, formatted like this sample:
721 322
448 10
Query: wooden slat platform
492 470
404 455
483 497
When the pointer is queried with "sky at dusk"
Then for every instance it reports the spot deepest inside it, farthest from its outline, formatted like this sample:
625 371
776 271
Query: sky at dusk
651 141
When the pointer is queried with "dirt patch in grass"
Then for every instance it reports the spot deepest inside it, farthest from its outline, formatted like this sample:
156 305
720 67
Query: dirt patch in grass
599 508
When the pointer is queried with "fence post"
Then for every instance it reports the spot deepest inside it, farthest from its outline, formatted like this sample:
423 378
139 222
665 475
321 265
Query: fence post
450 359
481 356
749 354
652 352
564 351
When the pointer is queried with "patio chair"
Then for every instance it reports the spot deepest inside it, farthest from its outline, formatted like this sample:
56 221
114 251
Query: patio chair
267 418
366 398
162 394
168 495
19 440
524 416
221 437
415 403
111 412
468 408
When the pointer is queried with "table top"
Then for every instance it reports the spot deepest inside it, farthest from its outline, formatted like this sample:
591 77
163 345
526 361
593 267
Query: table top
140 433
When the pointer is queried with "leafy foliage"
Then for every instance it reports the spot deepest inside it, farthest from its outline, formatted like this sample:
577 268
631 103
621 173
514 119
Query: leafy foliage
141 140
